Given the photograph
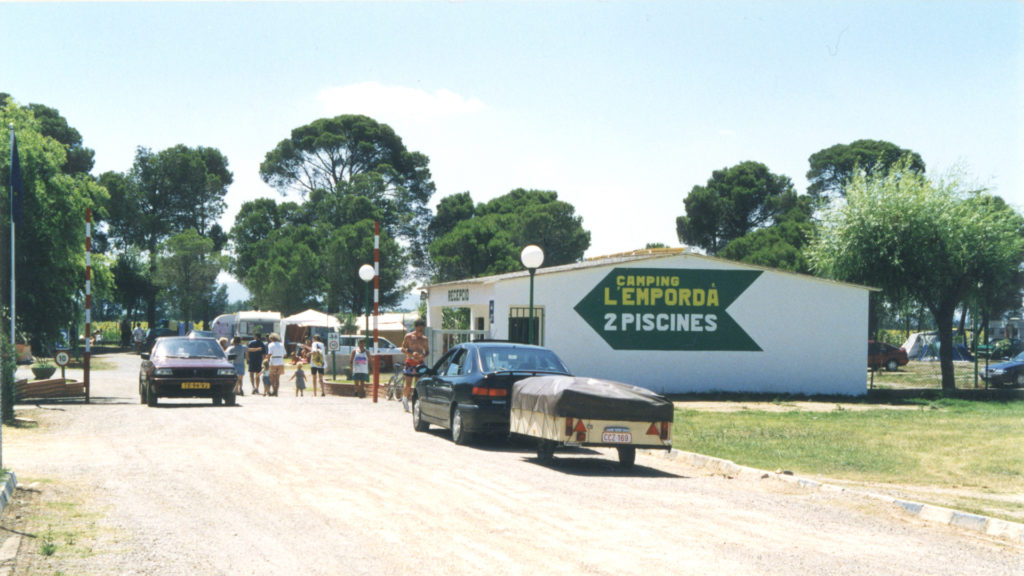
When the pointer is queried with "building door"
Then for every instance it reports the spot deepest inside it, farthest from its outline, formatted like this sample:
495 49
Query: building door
519 325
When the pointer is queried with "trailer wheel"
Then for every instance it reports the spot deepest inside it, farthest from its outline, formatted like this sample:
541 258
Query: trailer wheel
545 451
627 456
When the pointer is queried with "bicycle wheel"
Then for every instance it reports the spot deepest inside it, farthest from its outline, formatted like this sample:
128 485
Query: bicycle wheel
394 389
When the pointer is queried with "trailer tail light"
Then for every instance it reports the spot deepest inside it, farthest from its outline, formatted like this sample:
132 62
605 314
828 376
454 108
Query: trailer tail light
581 431
568 426
653 429
665 430
490 392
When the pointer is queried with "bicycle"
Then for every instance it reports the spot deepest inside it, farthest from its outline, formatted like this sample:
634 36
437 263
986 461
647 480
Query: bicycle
393 389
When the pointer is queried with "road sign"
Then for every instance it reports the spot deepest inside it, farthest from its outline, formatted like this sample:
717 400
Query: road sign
62 358
668 309
333 344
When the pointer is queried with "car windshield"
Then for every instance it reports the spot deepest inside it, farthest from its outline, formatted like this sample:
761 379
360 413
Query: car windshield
499 359
1019 357
188 348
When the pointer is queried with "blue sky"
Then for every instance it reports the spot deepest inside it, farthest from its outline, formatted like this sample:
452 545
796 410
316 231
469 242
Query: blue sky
620 107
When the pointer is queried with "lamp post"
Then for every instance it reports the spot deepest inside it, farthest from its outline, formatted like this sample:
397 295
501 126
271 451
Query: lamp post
366 274
532 257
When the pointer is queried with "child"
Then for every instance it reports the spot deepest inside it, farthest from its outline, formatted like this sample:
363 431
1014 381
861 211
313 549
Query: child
265 377
300 381
359 360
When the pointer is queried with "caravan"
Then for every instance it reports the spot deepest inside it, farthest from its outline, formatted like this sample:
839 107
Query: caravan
246 324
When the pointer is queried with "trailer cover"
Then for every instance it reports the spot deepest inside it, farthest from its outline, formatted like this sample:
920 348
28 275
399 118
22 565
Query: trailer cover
589 398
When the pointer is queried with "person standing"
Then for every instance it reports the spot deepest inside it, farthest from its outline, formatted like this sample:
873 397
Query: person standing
255 351
126 332
359 360
277 352
416 347
138 336
317 363
236 354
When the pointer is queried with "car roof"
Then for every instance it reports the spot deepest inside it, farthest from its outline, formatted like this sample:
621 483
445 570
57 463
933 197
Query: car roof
485 344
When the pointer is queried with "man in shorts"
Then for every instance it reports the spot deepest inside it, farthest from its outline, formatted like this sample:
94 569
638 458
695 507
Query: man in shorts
416 347
255 351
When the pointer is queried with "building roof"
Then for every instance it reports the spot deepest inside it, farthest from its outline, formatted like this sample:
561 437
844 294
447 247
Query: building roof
634 256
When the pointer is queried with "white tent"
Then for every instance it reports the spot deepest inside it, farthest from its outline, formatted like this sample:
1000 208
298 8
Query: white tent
311 318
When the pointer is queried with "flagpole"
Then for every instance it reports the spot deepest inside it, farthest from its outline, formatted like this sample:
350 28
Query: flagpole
13 351
12 233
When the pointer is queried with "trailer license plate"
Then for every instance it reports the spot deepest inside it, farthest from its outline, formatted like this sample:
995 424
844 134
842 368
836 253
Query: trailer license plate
616 436
195 385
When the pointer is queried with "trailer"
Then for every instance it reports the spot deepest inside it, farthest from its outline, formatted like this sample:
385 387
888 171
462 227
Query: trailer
569 411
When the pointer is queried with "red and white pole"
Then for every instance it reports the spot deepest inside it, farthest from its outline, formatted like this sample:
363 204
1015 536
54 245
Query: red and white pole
376 303
88 302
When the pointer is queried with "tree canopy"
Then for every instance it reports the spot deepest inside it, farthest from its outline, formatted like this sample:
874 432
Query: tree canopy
164 194
490 239
289 255
929 242
834 167
736 200
186 269
780 245
50 243
356 156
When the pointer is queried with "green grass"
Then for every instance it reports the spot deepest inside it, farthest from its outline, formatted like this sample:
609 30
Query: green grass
938 444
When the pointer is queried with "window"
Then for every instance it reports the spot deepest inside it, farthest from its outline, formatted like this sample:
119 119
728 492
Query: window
519 325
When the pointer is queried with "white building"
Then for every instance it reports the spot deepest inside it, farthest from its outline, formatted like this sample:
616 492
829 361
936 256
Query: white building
678 322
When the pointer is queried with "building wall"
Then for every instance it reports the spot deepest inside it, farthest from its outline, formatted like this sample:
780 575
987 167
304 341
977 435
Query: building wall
811 333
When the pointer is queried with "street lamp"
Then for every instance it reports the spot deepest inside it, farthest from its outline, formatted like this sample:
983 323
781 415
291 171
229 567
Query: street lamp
532 257
366 273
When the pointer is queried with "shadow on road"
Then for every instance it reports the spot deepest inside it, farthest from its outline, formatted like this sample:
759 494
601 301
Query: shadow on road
598 466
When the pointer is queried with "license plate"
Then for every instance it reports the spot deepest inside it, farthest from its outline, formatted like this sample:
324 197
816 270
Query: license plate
616 437
195 385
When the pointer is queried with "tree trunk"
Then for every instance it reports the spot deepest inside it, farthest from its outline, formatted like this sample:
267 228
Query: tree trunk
944 321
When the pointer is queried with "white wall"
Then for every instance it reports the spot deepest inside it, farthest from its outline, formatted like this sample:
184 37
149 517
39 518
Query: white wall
813 333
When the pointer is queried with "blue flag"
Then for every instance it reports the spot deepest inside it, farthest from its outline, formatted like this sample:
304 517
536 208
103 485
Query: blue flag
17 186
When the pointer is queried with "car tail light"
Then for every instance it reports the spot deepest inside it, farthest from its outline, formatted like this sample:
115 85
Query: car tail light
490 392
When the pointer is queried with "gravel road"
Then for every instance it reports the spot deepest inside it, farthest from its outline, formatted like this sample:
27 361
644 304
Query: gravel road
343 486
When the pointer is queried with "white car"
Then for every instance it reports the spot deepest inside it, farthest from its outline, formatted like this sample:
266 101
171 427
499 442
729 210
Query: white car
390 355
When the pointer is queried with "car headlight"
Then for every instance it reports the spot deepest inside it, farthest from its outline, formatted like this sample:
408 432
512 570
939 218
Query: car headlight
995 372
163 372
226 372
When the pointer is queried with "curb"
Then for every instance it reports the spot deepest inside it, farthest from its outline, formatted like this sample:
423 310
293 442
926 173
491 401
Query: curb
1002 529
7 490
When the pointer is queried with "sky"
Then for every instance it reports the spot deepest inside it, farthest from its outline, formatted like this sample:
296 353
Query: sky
620 107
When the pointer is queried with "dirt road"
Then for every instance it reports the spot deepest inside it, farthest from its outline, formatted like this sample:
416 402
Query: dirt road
342 486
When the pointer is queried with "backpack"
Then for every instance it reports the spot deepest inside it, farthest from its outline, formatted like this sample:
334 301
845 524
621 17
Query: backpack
317 358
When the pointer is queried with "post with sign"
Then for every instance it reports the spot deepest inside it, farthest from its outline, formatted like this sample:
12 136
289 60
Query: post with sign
62 358
333 344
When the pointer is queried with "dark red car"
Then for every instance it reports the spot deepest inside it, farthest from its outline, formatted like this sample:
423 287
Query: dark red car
881 354
186 367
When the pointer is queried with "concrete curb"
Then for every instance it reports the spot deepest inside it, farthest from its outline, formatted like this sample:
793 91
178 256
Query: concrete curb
1002 529
7 490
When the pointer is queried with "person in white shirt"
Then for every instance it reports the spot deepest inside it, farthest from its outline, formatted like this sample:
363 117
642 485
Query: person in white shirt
138 336
317 363
276 352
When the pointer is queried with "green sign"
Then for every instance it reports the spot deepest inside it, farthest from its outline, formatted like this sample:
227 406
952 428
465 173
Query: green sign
668 309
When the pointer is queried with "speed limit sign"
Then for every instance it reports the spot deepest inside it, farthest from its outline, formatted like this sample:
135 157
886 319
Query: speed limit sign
332 341
62 358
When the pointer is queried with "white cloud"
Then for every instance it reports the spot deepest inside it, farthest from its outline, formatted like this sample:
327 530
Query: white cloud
391 103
